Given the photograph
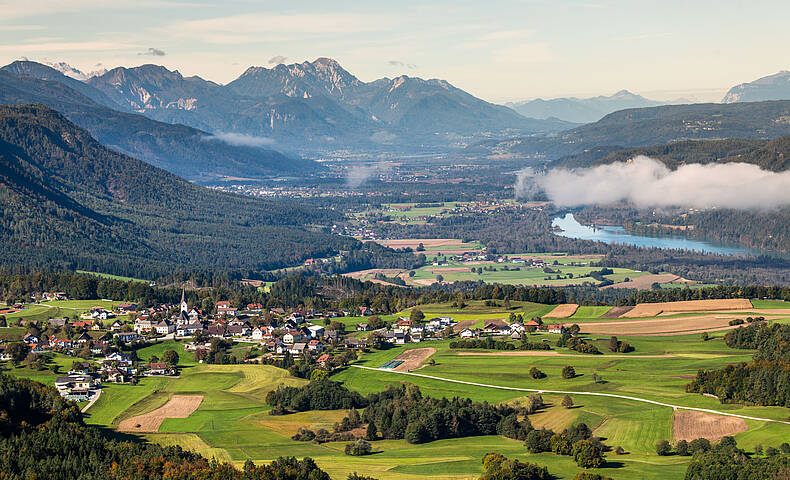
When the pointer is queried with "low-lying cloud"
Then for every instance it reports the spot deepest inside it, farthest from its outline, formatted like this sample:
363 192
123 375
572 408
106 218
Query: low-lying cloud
359 174
240 140
277 59
645 182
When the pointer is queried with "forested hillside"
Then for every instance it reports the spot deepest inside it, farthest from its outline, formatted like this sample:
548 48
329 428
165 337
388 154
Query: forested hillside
771 155
638 127
67 201
43 436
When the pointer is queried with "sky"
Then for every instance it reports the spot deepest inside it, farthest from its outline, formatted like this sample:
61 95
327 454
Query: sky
497 50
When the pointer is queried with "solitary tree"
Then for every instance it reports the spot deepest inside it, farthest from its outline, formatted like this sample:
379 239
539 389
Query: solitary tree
416 315
567 402
170 357
568 372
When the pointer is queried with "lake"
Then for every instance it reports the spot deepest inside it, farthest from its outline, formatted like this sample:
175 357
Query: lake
571 228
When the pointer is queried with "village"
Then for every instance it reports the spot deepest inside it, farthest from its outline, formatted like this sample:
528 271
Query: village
104 343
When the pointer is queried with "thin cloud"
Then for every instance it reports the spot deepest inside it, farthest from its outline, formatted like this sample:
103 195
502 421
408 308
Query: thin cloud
277 59
240 140
154 52
398 63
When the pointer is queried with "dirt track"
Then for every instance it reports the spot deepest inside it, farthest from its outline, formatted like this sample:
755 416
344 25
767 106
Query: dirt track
564 310
179 406
413 359
690 425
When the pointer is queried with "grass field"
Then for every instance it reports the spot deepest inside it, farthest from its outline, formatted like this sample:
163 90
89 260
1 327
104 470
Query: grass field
571 270
59 308
113 277
232 422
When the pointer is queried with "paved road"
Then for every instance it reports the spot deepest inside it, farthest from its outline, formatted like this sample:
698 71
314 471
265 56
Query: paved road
568 392
91 401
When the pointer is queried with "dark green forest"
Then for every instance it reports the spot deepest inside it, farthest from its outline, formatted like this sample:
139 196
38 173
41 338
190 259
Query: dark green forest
43 436
68 202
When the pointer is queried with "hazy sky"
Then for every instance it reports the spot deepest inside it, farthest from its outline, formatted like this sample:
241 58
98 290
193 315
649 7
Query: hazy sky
498 50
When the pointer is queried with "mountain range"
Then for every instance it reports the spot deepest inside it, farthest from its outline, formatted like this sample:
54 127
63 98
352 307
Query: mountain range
771 87
191 153
654 126
315 103
582 110
66 201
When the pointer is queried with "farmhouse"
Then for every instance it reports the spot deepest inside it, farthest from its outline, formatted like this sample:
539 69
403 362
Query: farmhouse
555 328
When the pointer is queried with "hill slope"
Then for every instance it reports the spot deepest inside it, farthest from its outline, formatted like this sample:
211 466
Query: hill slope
659 125
68 201
183 150
772 87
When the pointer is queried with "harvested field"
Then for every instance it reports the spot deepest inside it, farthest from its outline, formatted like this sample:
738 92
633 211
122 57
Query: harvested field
564 310
424 281
179 406
689 425
668 308
550 353
495 321
413 359
451 270
645 282
616 312
463 324
413 243
362 274
661 326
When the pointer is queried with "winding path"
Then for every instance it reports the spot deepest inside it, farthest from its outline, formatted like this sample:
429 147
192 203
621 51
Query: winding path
568 392
91 401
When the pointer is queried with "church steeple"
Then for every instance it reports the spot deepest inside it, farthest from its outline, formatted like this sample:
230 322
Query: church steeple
184 306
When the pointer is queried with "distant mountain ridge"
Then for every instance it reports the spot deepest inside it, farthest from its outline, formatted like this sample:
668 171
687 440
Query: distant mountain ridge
183 150
771 87
582 110
317 103
655 125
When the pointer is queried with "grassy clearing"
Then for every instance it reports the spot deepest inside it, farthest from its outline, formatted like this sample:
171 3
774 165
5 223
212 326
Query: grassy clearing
113 277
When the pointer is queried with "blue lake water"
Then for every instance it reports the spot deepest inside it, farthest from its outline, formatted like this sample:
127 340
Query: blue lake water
571 228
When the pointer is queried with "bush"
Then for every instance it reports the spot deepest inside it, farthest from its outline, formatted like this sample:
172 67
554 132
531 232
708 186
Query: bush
682 448
663 448
359 448
588 454
536 374
590 476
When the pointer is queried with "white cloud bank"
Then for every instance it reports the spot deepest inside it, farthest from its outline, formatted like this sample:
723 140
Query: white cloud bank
241 140
645 182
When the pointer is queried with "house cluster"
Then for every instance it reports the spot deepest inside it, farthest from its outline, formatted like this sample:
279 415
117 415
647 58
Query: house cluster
406 331
65 345
513 330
